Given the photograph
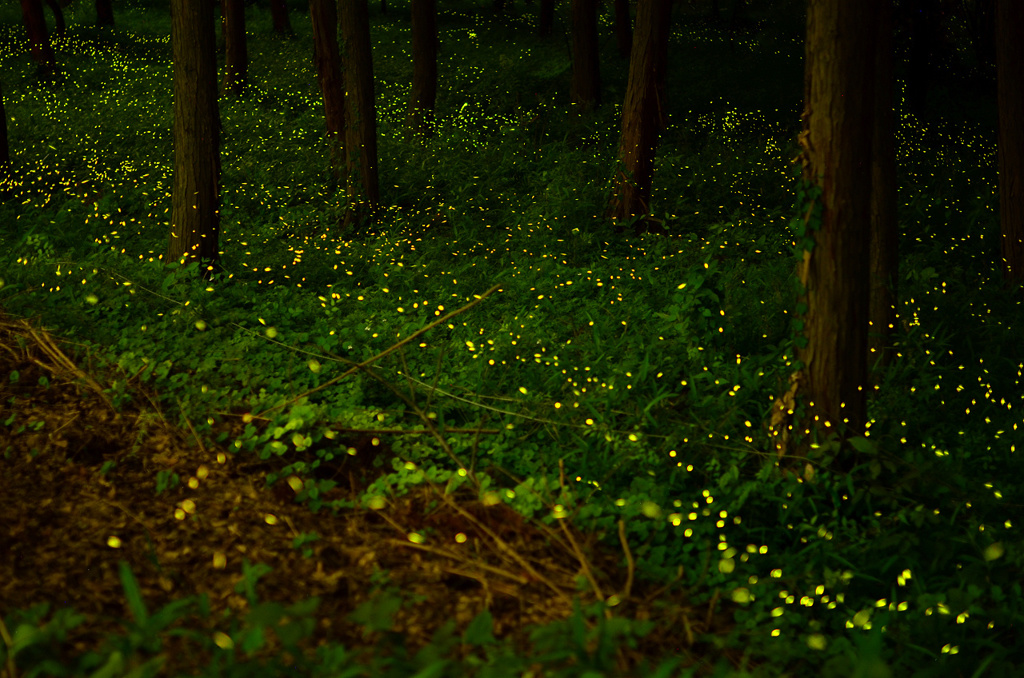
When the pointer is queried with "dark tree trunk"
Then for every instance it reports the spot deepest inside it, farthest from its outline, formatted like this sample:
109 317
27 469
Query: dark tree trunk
59 26
360 114
104 13
279 15
884 230
623 28
5 149
547 18
324 17
834 273
196 200
643 112
1009 76
38 40
420 119
236 56
585 89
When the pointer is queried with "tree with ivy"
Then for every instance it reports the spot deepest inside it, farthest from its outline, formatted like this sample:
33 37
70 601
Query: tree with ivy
834 237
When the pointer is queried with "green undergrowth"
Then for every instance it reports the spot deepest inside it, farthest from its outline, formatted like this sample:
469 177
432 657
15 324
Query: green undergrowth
646 366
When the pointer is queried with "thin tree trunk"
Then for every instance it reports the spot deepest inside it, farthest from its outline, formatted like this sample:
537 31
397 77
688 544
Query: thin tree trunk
60 27
195 197
1009 76
585 89
236 55
547 18
279 16
884 232
324 17
420 119
643 112
5 149
38 40
360 114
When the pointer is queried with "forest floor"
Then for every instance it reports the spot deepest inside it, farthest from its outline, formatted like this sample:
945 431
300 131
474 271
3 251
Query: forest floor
78 496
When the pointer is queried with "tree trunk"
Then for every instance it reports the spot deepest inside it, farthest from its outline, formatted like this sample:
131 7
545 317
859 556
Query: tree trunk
324 17
884 231
38 40
5 149
104 13
585 89
547 18
195 201
279 15
60 27
420 119
834 273
623 28
643 112
1009 76
236 56
360 114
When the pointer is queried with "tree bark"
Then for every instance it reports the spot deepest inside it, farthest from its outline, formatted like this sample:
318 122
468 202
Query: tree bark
585 89
279 15
236 56
884 230
834 273
420 119
195 198
360 114
1009 76
643 112
38 40
324 17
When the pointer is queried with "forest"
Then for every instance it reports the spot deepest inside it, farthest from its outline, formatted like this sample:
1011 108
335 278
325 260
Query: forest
511 338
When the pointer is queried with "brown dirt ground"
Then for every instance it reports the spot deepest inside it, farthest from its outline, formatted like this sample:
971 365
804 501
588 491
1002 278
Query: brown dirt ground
66 526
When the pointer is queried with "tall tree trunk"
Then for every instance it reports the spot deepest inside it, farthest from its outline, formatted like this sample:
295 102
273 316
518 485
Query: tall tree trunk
38 40
279 15
5 149
223 23
585 89
236 56
60 27
1009 77
884 231
324 17
643 112
196 199
834 273
547 18
360 114
623 28
104 13
420 119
